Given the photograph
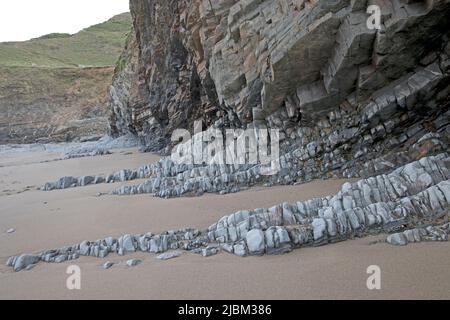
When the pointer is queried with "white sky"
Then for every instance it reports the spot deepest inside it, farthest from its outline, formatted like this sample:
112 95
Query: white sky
25 19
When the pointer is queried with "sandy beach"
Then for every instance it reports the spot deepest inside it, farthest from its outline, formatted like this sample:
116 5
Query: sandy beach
45 220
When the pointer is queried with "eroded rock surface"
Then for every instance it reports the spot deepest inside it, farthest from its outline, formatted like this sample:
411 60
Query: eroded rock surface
412 202
348 101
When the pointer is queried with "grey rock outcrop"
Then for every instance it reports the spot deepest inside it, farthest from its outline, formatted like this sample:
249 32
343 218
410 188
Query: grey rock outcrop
400 202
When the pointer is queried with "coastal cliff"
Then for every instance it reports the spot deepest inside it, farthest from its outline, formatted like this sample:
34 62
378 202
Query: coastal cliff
312 69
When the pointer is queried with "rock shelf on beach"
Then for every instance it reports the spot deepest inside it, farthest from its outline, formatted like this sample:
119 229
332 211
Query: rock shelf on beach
411 203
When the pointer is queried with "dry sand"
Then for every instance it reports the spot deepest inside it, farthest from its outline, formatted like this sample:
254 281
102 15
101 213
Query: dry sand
45 220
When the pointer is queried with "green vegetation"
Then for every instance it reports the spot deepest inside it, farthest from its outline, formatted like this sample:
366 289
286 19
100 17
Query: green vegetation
55 35
121 64
96 46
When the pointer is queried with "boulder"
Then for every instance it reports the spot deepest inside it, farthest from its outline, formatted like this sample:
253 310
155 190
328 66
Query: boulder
126 243
397 239
320 228
255 241
134 262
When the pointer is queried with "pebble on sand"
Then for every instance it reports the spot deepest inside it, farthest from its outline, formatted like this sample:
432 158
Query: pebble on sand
169 255
134 262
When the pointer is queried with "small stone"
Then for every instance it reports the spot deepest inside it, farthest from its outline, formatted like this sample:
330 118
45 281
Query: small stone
10 231
107 265
134 262
398 239
169 255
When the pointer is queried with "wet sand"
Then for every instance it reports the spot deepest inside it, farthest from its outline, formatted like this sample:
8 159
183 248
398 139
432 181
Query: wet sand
45 220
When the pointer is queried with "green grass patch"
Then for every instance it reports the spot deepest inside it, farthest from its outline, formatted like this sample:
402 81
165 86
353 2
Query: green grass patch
96 46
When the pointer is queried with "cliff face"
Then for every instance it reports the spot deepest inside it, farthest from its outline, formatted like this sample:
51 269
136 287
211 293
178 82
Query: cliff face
158 89
342 94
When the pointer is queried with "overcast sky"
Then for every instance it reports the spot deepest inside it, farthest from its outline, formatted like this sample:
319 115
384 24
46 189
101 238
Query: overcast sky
25 19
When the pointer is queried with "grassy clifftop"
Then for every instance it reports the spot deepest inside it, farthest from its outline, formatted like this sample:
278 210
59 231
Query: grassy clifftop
96 46
54 88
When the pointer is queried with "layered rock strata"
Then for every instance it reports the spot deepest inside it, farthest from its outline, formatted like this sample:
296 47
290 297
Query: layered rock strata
414 197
